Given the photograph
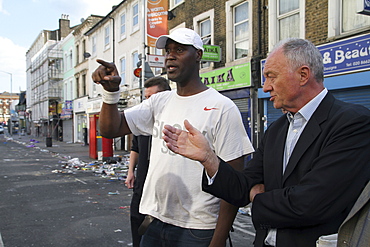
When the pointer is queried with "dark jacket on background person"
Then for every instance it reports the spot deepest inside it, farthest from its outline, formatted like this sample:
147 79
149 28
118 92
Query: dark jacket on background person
355 230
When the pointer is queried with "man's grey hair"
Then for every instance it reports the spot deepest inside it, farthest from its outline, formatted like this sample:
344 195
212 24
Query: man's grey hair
301 52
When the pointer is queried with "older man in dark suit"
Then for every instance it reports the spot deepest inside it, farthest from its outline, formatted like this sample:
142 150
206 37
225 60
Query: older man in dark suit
312 163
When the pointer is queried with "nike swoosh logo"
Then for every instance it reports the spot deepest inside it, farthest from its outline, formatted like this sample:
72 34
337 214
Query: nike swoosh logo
208 109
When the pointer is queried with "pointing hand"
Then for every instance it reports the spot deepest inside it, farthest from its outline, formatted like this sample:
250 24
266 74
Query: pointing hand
107 75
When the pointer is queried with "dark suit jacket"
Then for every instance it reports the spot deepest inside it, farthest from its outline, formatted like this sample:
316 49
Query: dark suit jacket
326 173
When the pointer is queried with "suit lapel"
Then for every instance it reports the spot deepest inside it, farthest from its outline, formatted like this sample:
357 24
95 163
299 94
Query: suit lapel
309 134
278 154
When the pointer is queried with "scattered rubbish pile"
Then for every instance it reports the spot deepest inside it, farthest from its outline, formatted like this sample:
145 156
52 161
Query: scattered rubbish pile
116 169
113 168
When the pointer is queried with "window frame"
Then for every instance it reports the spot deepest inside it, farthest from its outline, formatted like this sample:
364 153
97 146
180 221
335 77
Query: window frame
335 16
286 15
197 20
135 27
173 3
123 34
123 71
135 82
107 37
230 48
94 45
77 54
234 28
273 24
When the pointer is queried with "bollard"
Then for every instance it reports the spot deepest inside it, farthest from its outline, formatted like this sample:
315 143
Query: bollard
49 142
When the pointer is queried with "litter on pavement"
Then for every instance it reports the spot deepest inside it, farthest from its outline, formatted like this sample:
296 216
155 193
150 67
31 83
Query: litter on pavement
114 168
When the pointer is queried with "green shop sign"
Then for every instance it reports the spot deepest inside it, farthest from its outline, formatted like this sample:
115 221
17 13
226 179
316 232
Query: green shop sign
228 78
211 53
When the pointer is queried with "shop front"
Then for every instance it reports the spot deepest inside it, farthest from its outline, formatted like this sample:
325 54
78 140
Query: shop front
234 82
346 72
80 120
67 118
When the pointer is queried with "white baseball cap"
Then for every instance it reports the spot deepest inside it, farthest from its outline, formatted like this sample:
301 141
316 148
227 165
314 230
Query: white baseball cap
183 36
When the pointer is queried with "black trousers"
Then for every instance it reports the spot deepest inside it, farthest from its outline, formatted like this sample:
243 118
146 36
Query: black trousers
136 218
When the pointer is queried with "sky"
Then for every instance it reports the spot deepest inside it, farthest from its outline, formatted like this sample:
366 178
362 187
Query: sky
21 21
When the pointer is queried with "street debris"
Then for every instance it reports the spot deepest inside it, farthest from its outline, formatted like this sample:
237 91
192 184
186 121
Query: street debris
114 168
113 193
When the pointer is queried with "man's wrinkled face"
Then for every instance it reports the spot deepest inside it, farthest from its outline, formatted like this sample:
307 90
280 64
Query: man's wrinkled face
282 81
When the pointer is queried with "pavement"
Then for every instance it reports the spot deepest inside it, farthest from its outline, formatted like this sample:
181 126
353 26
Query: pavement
65 149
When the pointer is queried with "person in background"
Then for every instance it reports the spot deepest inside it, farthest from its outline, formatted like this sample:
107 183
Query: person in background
139 159
312 163
355 229
183 215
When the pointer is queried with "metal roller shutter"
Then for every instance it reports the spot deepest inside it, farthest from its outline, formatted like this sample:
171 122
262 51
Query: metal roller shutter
243 106
359 96
272 113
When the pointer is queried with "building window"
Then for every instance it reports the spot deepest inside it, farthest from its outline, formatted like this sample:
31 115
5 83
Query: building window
238 36
203 25
70 90
123 70
77 54
84 49
205 33
65 91
241 30
70 59
343 18
77 87
65 62
174 3
135 17
83 88
123 26
93 45
350 19
106 36
286 20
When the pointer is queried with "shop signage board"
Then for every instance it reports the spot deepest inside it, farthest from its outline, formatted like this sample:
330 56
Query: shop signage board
346 56
157 61
343 56
212 53
228 78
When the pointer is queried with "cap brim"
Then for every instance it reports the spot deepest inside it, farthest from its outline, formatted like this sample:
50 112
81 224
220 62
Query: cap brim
161 42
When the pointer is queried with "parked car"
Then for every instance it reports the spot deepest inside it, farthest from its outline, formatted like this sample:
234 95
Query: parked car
1 129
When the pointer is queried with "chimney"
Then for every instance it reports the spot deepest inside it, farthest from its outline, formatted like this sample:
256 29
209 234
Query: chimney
64 26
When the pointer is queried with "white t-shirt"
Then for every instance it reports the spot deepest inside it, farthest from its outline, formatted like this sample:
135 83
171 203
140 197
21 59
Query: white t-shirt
173 190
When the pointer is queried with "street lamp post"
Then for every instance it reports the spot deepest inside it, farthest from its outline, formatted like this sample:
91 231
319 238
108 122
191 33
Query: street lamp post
11 97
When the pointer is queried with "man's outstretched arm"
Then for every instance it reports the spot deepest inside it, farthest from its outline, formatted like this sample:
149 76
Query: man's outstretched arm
112 123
